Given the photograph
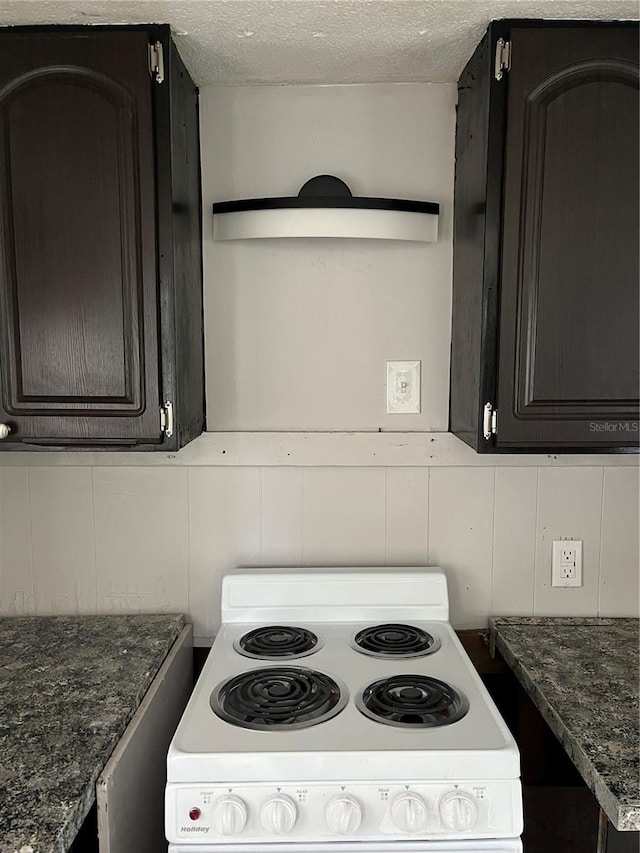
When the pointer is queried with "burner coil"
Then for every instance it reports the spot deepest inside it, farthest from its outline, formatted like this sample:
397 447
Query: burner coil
278 698
278 642
413 701
394 640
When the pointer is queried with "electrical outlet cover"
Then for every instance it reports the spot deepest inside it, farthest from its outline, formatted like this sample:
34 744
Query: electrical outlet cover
566 562
403 387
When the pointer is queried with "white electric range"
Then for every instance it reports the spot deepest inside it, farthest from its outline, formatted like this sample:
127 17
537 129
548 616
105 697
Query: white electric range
337 711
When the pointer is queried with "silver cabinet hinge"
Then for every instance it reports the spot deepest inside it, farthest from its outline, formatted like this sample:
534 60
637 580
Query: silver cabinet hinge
166 419
156 61
503 58
489 421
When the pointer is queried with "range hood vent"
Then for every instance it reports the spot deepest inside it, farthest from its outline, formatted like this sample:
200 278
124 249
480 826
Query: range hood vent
325 207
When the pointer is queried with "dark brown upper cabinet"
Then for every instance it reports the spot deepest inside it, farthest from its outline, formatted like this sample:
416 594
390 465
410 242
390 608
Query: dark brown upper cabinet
545 336
100 240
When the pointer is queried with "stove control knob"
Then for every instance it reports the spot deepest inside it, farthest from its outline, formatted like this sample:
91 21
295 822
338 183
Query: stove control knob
229 815
344 814
409 812
458 811
278 815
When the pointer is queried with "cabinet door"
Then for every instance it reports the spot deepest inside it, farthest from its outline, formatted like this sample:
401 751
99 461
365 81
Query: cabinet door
568 351
78 290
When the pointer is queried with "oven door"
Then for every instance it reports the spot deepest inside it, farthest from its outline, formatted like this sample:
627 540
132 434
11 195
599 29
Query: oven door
502 845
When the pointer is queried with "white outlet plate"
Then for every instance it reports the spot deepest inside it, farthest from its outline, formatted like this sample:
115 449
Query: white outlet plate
403 387
566 562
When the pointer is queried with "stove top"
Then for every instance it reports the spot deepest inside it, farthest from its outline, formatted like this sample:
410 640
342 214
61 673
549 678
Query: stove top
350 735
339 703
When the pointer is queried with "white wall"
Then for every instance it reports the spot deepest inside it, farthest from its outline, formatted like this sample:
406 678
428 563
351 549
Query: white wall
299 330
284 322
159 538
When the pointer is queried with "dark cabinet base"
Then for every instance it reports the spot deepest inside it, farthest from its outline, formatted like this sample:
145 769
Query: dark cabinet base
559 819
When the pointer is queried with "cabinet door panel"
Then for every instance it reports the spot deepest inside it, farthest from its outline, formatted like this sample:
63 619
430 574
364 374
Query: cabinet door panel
78 270
568 365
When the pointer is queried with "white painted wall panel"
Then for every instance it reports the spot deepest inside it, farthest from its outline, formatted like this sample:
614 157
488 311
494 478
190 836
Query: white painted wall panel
17 586
298 331
407 511
620 551
158 548
343 516
514 541
142 541
461 539
569 506
224 532
281 516
63 541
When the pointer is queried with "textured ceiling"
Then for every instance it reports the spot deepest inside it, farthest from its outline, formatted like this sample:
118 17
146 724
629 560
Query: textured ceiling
242 42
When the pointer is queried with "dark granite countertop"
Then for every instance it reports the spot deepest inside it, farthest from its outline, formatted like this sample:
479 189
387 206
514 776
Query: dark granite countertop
582 675
69 686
